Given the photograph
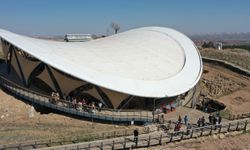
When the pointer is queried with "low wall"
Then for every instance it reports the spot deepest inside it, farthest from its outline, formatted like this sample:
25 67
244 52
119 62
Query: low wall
227 65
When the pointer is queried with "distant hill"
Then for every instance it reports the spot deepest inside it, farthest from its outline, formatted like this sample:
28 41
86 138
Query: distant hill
227 38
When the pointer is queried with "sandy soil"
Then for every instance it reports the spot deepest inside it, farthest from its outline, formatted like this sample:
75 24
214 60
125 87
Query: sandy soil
235 90
20 122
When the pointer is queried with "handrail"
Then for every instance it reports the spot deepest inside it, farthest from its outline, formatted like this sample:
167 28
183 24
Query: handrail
108 115
143 140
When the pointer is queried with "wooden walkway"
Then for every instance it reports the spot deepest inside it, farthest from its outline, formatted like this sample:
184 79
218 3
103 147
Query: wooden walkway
155 138
144 140
108 115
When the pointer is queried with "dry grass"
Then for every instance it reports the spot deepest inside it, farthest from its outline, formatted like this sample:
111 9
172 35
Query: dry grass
236 56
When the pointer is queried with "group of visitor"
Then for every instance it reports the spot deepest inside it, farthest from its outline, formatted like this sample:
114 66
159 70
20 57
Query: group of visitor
55 97
201 122
79 104
86 105
165 108
213 120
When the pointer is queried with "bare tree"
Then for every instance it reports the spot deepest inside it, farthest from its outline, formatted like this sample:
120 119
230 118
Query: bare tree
115 27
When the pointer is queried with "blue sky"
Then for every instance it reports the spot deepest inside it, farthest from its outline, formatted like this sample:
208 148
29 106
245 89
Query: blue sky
57 17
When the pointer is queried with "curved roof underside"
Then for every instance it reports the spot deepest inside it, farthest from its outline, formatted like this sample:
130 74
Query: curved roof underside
148 62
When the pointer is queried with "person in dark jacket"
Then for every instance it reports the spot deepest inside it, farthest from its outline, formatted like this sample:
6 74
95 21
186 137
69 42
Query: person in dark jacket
136 133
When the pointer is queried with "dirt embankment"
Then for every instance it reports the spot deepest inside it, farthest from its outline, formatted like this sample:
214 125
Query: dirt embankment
20 122
238 57
228 87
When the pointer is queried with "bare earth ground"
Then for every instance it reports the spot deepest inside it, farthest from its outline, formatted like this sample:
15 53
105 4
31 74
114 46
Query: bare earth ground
227 87
18 124
234 91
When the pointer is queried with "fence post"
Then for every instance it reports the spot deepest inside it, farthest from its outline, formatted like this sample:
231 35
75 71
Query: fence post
237 126
113 145
103 137
182 135
201 131
228 129
125 132
160 140
192 132
211 130
50 143
171 137
101 146
124 143
89 146
149 138
20 146
245 127
220 126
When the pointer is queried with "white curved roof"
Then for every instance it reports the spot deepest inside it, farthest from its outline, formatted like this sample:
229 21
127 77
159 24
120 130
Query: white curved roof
148 62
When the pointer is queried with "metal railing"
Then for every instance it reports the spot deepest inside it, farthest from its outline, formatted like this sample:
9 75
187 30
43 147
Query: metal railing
127 141
110 115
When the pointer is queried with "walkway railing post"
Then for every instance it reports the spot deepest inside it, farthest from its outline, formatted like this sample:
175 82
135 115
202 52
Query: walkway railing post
171 138
113 145
149 138
125 132
245 126
192 132
228 129
89 146
124 143
211 130
201 131
160 140
220 128
182 135
237 126
101 146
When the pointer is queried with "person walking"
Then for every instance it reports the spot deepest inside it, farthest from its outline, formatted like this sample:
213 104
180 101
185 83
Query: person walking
210 118
136 134
203 121
179 119
100 106
199 122
185 119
